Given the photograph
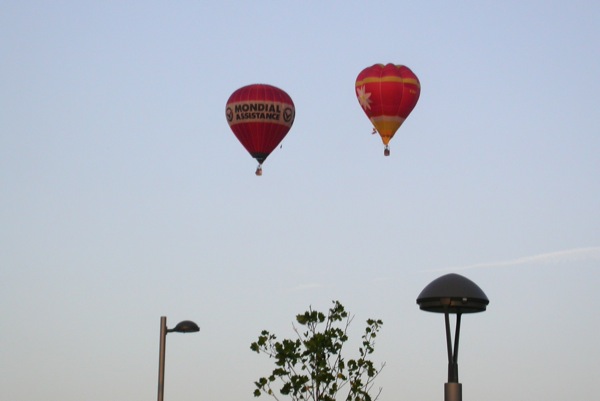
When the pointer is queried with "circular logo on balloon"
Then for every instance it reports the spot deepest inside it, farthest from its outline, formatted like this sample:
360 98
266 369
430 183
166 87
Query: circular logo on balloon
229 114
288 114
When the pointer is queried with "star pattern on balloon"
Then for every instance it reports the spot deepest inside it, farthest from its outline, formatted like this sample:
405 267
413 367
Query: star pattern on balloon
363 97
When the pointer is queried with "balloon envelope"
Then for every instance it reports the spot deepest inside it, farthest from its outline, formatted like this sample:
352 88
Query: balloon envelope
387 95
260 116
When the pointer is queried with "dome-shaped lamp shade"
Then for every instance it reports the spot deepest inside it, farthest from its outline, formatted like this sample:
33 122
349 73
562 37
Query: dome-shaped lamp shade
452 293
187 326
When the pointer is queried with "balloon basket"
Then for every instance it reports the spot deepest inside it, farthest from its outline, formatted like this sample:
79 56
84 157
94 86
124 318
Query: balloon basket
386 151
258 171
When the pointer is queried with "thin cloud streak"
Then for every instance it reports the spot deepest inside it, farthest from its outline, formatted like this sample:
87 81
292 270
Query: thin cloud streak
569 255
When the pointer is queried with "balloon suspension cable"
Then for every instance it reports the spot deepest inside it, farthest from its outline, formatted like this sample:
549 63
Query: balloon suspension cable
258 171
386 151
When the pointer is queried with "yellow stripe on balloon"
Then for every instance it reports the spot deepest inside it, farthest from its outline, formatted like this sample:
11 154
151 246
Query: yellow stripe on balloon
370 80
387 119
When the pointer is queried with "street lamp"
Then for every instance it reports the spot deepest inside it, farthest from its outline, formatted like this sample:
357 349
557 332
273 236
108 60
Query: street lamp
186 326
455 294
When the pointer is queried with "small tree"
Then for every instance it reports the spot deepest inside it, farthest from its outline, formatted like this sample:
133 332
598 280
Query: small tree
311 366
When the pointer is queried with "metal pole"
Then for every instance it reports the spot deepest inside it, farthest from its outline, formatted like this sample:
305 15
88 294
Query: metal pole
449 348
452 389
455 356
161 358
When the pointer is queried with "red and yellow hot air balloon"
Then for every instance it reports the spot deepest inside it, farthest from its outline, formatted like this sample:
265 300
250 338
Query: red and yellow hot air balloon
260 116
387 95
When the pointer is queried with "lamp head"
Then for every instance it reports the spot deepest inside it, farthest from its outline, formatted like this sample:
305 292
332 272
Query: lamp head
452 293
186 326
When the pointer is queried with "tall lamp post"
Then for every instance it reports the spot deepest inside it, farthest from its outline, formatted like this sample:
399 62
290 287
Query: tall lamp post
454 294
186 326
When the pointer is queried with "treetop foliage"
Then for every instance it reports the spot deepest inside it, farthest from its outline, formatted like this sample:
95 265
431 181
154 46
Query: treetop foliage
312 367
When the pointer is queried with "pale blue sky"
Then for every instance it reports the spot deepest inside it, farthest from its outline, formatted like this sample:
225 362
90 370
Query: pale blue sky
125 196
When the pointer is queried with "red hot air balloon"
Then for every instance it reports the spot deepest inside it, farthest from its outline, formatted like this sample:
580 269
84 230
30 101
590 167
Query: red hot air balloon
387 95
260 116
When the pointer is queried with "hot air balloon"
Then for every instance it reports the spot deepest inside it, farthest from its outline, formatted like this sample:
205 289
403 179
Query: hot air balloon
260 116
387 95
